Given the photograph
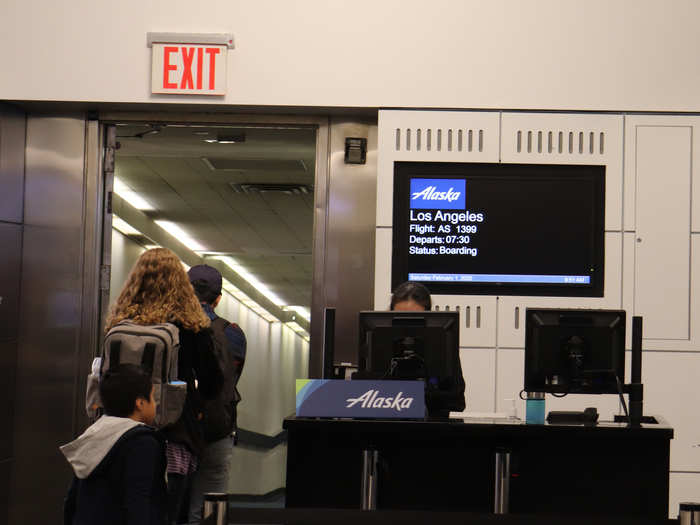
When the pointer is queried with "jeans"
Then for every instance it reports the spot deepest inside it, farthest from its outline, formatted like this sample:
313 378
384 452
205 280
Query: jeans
177 491
211 475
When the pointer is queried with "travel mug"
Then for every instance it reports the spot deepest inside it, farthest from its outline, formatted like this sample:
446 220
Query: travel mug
534 408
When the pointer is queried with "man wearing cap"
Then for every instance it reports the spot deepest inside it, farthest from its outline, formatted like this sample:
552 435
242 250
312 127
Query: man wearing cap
219 419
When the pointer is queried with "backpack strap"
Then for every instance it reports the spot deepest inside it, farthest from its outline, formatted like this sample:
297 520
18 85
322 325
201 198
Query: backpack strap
221 321
148 357
115 348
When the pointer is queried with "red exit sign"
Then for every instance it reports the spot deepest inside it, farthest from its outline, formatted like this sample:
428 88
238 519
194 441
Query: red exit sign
188 69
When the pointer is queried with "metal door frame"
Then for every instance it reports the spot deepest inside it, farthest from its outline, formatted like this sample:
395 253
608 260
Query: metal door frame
98 221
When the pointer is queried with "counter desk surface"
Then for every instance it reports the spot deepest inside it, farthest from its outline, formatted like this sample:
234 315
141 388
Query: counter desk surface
603 469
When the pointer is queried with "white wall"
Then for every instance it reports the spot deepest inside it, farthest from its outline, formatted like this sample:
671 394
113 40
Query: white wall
652 259
276 357
542 54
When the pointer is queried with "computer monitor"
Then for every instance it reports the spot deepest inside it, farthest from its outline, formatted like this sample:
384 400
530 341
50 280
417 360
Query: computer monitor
415 345
574 351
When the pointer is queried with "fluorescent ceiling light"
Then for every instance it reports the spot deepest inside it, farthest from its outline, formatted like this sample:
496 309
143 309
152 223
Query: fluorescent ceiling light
230 138
180 234
130 196
242 297
252 280
297 328
124 227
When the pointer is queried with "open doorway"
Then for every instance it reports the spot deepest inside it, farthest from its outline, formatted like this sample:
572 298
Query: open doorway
239 198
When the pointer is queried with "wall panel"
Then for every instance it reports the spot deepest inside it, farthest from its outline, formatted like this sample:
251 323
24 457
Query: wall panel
10 262
538 138
50 315
382 268
670 390
477 317
349 250
479 372
683 487
8 369
12 137
662 255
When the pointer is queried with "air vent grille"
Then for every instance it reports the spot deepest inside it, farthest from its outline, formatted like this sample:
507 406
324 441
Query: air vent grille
288 189
560 142
439 139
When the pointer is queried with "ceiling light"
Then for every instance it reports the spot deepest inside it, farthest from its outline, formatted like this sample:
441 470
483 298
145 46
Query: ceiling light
180 234
124 227
230 138
252 280
130 196
298 329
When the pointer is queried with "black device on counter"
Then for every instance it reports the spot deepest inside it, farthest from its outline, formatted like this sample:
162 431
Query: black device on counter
588 416
414 345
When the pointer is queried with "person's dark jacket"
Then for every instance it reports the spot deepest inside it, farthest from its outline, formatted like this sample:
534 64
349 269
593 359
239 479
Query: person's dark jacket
196 361
119 468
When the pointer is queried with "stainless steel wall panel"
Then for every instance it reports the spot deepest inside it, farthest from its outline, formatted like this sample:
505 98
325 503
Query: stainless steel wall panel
8 372
10 260
92 258
318 289
12 136
349 238
50 316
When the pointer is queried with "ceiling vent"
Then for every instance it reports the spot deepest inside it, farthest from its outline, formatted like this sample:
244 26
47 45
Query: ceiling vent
289 189
275 165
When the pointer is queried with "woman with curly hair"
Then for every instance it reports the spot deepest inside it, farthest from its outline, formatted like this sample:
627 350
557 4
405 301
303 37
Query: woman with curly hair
159 291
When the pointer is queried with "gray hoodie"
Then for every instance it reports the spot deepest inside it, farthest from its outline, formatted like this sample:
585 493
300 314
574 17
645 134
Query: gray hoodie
91 447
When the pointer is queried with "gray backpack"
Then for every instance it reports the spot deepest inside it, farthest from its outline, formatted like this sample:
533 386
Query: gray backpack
155 348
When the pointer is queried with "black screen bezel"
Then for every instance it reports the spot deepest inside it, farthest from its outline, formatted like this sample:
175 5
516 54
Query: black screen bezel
404 171
538 319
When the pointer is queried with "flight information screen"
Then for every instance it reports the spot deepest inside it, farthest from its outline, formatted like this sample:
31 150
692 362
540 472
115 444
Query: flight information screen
509 229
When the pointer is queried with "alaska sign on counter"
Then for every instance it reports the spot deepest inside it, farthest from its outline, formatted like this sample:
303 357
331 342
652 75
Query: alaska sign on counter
190 69
360 398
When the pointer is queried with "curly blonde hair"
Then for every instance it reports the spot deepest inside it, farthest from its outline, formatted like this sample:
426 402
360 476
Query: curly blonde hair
158 291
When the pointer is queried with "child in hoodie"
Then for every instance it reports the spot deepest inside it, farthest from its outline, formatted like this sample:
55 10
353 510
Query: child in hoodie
119 461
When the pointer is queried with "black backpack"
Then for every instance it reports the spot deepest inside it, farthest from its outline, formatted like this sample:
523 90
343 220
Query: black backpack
220 413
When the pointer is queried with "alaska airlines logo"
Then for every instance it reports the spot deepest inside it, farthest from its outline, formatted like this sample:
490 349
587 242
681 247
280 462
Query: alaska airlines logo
431 194
372 399
438 194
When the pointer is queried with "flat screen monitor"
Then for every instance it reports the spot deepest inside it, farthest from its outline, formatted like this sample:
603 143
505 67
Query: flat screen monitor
574 351
499 229
415 345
